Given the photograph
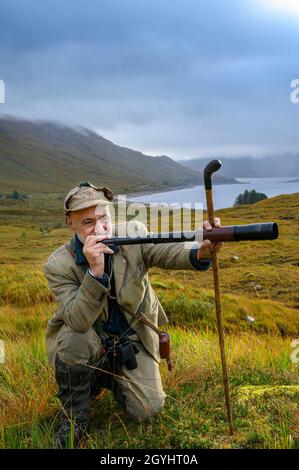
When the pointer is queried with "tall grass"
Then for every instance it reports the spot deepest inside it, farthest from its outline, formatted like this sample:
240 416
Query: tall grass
194 415
262 283
23 286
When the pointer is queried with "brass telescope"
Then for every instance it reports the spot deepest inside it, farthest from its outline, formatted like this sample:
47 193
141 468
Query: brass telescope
229 233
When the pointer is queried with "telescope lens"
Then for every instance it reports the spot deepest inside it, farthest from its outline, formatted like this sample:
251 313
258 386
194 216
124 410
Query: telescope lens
275 231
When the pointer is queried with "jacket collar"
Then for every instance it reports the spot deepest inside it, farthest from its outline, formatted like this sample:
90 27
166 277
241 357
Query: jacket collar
77 247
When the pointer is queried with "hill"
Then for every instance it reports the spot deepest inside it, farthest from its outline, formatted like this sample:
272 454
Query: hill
259 273
262 283
47 157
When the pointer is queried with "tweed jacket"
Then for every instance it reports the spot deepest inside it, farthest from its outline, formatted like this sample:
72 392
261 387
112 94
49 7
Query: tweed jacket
81 299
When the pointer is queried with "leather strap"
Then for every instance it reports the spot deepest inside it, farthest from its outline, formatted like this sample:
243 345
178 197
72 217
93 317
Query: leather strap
142 317
70 250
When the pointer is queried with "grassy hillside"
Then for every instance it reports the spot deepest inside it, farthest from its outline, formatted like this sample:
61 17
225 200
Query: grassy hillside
47 157
262 283
264 270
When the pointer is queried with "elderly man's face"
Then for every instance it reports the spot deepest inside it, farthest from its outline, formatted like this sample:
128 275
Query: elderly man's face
91 221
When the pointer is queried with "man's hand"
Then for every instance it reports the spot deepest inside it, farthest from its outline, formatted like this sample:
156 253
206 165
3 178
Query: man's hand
94 253
206 248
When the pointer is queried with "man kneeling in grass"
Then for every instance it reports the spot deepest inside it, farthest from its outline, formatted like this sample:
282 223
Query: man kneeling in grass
104 331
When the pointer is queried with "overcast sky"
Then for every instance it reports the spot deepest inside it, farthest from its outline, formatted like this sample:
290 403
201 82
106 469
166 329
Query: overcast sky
186 78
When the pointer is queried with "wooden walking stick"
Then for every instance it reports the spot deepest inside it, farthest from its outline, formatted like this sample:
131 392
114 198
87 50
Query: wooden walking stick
213 166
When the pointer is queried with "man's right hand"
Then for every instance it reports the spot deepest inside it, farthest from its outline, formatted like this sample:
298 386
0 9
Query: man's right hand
94 253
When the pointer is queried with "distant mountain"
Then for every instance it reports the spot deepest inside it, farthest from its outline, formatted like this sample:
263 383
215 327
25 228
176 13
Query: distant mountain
48 157
249 167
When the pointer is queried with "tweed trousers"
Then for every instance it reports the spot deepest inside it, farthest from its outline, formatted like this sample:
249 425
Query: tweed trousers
142 391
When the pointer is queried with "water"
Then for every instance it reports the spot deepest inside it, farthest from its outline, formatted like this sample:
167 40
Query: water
224 195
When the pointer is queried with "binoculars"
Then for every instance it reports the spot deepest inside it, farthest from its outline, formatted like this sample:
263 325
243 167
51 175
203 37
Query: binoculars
119 353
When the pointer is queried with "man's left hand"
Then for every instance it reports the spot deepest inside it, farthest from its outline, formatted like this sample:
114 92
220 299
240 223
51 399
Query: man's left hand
207 247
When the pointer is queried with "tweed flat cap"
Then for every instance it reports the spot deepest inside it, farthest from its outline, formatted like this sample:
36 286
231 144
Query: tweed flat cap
86 195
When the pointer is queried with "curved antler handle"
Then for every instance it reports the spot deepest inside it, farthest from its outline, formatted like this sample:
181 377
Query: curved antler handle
211 167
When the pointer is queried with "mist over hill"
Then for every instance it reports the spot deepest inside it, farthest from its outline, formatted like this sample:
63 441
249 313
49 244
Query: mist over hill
249 167
43 156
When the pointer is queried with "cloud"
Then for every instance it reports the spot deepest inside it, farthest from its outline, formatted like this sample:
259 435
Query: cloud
185 79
